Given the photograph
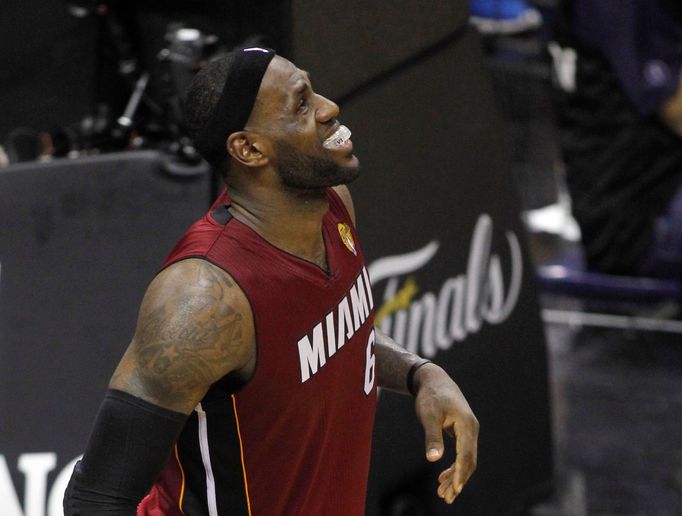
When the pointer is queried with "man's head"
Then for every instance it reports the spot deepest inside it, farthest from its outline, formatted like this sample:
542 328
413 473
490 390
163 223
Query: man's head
253 110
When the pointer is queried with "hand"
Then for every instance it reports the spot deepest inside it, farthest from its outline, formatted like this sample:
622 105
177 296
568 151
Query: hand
440 405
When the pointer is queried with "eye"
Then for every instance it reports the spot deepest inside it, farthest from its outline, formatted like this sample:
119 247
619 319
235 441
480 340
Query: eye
302 105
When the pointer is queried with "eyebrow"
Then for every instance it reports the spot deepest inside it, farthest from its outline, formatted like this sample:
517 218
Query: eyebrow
302 86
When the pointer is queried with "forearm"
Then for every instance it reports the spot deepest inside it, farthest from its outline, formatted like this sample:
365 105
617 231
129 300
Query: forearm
393 363
440 405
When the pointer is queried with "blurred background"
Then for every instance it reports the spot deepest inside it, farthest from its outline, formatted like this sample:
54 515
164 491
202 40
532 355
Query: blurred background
528 151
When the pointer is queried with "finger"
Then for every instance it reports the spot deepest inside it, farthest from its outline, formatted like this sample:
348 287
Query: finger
466 449
449 494
446 475
443 490
445 483
433 435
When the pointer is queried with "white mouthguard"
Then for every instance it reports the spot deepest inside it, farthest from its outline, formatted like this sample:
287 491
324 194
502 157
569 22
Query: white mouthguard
337 139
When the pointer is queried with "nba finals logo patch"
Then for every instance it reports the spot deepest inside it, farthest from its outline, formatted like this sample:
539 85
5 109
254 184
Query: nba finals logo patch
346 237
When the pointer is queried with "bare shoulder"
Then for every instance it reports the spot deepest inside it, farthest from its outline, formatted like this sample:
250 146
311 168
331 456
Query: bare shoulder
195 326
344 193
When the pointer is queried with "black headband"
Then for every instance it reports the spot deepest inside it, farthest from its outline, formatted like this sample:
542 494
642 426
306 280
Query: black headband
236 102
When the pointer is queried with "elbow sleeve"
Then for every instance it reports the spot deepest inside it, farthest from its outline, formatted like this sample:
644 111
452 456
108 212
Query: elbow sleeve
130 443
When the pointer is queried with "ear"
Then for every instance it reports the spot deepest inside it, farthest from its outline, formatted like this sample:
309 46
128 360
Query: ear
248 148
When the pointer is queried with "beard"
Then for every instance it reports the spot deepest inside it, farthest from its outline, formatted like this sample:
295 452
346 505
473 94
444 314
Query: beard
304 171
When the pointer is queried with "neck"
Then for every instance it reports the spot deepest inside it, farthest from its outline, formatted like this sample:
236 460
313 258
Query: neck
289 219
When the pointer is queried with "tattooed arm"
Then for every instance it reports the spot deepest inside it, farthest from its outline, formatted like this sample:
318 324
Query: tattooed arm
194 327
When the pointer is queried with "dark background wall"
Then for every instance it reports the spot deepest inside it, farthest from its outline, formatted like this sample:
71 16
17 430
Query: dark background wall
62 61
47 63
347 43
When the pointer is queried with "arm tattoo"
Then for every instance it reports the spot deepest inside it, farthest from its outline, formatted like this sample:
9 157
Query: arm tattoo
393 363
189 335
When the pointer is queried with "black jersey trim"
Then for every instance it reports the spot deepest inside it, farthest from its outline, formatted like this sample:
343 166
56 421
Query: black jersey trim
194 501
226 456
221 214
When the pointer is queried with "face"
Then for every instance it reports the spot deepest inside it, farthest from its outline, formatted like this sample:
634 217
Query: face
298 121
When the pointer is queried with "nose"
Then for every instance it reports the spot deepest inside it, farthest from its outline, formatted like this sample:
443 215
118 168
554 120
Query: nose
327 110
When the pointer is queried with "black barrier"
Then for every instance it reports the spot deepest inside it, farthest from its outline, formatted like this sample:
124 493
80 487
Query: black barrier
79 242
439 220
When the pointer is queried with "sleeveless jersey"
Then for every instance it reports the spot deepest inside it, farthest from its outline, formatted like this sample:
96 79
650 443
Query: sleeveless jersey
295 440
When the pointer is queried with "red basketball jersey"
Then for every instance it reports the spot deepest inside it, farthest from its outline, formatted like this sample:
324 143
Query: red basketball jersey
295 440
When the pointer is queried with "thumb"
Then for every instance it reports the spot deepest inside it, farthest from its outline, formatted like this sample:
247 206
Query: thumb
434 441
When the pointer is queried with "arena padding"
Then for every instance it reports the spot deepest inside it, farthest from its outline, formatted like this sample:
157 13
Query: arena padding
79 242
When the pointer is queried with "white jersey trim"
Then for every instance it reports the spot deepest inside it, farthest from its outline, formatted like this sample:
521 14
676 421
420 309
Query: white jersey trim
206 458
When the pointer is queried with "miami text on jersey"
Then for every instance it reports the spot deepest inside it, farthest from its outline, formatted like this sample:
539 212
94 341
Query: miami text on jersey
330 334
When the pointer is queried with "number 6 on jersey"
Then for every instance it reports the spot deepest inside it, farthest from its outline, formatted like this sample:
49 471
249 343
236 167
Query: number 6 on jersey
369 363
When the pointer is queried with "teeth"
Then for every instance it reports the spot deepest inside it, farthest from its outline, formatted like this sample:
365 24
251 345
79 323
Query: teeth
337 139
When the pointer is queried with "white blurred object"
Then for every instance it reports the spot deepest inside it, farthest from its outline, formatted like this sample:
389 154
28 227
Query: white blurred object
564 61
4 159
555 219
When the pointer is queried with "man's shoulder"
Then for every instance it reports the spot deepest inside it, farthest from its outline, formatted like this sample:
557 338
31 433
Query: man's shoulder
192 279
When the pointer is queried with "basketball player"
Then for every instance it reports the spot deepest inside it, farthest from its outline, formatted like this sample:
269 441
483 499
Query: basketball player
249 386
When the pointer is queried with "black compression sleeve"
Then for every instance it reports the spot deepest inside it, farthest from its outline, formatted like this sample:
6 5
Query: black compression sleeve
130 443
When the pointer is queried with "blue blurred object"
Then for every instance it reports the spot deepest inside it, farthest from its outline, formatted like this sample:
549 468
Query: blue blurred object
504 16
567 274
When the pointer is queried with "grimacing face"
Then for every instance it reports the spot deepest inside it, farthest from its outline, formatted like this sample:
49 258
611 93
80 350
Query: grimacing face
298 121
